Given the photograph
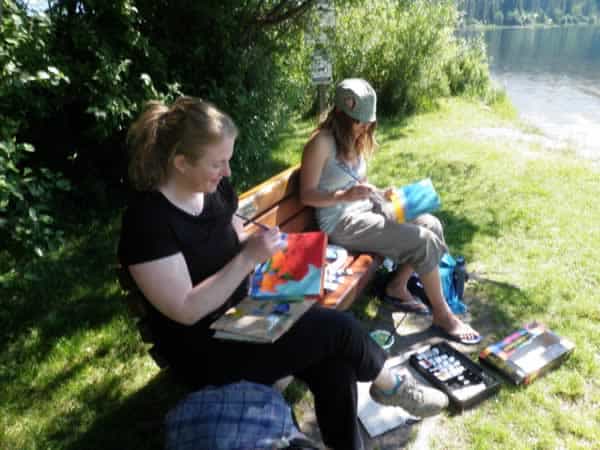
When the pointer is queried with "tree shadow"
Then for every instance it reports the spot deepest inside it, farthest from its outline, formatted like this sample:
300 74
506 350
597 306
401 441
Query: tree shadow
62 294
136 422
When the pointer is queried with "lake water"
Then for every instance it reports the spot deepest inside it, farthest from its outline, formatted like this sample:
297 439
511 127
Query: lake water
552 76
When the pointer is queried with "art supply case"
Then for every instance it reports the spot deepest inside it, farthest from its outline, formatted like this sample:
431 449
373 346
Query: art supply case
464 381
527 353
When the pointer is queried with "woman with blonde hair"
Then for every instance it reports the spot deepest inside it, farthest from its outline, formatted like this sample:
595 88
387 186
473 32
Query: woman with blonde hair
357 215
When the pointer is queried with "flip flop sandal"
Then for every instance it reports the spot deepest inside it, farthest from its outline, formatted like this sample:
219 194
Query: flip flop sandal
457 337
414 305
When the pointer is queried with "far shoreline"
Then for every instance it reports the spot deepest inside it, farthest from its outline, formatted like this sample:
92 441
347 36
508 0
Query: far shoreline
485 27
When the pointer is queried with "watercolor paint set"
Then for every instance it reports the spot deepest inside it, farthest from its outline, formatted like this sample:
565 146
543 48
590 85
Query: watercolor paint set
464 381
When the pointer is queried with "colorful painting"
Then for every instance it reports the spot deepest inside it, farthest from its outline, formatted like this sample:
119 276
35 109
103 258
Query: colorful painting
295 271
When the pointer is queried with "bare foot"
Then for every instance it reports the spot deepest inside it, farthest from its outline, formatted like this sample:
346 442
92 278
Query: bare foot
457 330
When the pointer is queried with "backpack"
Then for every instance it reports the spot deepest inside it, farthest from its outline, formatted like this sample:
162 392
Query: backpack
237 416
453 276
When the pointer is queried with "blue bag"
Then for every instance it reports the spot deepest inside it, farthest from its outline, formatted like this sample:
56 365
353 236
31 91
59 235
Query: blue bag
238 416
452 277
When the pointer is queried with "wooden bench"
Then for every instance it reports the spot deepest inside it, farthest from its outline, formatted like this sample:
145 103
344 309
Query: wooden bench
274 202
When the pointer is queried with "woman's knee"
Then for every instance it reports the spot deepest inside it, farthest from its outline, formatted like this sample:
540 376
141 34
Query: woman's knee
432 223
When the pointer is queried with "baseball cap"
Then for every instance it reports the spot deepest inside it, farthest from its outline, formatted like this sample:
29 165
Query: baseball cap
357 99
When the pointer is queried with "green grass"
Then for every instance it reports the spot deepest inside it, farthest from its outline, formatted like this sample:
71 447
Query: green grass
529 220
74 375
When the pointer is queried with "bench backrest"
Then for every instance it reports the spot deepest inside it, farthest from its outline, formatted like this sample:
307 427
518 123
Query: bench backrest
276 202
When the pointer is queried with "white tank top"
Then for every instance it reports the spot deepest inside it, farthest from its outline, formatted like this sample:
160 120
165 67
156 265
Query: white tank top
338 175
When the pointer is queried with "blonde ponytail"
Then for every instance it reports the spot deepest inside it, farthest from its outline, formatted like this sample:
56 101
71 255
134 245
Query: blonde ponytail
160 133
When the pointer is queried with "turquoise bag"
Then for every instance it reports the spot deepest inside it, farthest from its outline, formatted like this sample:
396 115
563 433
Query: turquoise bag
452 277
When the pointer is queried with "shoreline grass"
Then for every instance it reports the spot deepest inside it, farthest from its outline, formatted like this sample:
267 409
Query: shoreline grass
73 373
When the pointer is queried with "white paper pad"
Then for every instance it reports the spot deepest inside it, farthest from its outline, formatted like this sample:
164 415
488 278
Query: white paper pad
376 418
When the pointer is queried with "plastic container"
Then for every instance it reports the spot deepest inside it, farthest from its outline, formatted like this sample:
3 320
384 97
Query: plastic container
384 338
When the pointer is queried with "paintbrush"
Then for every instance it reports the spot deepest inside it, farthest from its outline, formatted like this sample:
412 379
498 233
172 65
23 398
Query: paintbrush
254 222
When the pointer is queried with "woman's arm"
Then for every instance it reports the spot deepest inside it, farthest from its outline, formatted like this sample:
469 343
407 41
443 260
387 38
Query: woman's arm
166 283
314 158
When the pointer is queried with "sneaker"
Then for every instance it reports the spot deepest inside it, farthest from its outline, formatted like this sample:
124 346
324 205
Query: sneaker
416 399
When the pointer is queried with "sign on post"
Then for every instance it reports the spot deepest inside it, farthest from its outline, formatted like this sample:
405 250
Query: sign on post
321 69
321 66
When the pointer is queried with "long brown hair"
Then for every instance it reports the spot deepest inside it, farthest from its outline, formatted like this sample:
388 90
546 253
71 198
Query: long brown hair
339 124
161 132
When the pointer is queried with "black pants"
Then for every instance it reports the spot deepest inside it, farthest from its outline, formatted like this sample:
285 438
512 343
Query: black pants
329 350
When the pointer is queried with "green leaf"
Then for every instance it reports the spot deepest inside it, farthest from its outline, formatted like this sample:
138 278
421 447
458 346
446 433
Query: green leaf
146 80
43 75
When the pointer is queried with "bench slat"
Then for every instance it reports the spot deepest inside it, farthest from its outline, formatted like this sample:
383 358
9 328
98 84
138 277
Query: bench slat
303 221
279 214
257 200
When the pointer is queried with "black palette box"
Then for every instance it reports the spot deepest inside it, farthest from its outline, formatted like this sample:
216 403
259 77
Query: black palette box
464 381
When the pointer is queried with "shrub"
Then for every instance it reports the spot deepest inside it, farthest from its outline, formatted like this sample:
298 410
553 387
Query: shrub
409 52
27 194
468 71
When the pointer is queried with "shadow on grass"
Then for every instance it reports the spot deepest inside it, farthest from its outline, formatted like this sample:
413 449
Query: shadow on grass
133 423
63 294
494 309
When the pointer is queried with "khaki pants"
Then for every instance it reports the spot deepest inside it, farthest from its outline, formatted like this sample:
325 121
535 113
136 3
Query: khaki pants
419 243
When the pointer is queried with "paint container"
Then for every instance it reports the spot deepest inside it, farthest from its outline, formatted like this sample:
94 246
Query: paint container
384 338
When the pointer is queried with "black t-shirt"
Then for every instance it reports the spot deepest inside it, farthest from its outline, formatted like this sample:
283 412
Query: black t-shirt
153 228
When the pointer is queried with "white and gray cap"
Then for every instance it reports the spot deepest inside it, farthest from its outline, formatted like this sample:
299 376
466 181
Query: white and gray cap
357 99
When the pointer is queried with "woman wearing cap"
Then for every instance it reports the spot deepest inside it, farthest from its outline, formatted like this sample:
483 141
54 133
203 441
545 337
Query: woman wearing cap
183 247
354 214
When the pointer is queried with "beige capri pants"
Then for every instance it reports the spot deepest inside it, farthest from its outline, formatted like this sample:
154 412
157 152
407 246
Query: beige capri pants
419 243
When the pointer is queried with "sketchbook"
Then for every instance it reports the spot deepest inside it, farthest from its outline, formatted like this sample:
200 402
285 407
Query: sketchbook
295 271
414 199
258 320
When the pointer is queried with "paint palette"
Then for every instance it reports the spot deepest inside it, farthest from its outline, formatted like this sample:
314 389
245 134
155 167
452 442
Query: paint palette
464 381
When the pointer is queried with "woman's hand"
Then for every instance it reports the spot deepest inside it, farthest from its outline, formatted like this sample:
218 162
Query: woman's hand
261 245
356 192
387 193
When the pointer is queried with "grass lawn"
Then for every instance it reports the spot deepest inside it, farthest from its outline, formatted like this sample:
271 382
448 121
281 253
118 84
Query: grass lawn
74 375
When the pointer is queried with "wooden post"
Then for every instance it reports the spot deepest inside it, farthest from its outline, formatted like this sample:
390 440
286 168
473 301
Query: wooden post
322 89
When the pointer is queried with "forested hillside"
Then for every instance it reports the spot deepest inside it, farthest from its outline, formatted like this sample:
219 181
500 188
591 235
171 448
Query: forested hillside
526 12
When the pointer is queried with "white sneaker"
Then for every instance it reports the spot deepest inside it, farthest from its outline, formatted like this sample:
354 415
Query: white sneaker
416 399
